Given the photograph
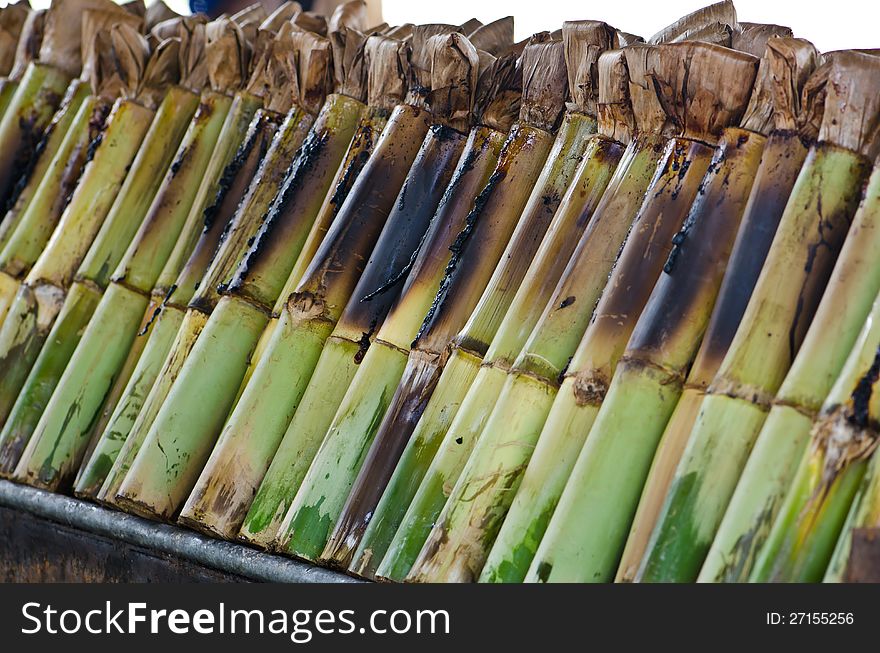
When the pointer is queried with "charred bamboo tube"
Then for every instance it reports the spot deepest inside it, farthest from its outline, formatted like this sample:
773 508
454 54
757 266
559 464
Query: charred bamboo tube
864 513
664 340
44 159
518 165
354 418
261 204
30 109
584 41
128 209
231 333
410 226
173 296
843 438
32 231
804 250
527 394
620 202
316 411
784 437
68 42
58 444
781 160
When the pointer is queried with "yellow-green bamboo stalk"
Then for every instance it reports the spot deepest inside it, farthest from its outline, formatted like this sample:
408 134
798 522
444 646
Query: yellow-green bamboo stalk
842 440
285 157
501 453
445 417
779 313
781 160
585 41
247 446
231 333
55 449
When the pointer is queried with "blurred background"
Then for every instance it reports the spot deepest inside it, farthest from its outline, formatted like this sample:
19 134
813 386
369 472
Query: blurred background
829 25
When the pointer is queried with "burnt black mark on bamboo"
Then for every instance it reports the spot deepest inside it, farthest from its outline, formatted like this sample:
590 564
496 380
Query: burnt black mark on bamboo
458 248
307 157
860 416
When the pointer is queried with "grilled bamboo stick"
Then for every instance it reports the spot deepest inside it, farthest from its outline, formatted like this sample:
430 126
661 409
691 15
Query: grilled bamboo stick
244 193
250 424
529 391
791 63
583 43
57 443
832 466
543 61
242 313
237 244
807 242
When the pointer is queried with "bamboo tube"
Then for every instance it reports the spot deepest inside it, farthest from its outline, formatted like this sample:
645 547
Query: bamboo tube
33 216
241 315
541 110
584 42
786 431
864 513
41 87
41 296
117 312
27 49
781 160
528 393
806 245
830 470
236 243
316 409
245 436
240 195
441 416
627 190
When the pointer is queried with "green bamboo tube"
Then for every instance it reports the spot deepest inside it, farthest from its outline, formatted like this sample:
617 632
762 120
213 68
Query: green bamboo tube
588 182
30 111
174 297
84 385
240 318
42 292
772 329
782 158
773 462
124 216
502 452
360 414
446 418
425 181
38 221
809 523
199 287
864 513
43 160
244 438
